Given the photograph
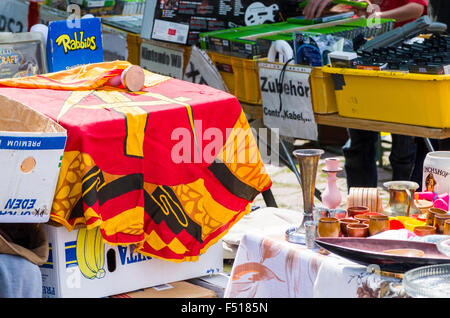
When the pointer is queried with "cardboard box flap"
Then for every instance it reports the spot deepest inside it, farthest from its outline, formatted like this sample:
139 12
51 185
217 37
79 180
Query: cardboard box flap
15 116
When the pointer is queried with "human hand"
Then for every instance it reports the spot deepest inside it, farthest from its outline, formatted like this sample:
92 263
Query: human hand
314 8
364 12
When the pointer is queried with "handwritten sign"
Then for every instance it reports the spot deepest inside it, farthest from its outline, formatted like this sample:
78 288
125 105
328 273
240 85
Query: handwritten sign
286 100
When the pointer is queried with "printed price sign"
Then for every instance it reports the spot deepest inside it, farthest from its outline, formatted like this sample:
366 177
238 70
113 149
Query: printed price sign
286 100
162 60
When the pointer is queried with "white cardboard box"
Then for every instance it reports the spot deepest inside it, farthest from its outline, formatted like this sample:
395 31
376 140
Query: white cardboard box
31 149
120 270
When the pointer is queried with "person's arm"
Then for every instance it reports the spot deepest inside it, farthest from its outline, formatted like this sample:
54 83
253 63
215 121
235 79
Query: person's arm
314 8
406 12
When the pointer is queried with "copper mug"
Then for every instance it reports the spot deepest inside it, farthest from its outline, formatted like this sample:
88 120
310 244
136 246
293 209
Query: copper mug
362 217
357 230
344 223
378 224
328 227
355 210
439 221
446 227
423 230
432 212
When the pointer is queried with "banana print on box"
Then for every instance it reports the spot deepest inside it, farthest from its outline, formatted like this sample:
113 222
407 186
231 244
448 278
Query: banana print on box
90 252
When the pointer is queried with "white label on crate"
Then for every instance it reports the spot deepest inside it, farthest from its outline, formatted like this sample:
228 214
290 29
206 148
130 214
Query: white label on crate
286 100
14 16
96 3
162 60
447 69
170 31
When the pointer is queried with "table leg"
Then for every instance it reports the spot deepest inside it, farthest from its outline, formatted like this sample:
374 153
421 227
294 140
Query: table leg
428 144
269 199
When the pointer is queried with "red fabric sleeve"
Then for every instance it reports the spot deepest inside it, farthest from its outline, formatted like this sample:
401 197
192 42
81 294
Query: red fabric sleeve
386 5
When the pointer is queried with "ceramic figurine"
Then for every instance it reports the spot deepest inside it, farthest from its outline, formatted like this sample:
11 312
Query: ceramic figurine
331 197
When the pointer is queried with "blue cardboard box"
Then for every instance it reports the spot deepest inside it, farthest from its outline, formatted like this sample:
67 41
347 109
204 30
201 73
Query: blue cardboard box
74 43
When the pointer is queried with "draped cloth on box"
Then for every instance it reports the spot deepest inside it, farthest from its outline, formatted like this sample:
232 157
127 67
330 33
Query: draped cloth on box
131 163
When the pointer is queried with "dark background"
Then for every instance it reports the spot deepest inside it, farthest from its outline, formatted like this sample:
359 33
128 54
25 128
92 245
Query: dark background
439 10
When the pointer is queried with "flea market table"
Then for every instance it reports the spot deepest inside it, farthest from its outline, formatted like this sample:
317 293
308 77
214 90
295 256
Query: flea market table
268 266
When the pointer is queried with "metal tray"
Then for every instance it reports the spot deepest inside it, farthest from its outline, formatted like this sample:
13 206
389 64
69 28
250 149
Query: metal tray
428 281
367 251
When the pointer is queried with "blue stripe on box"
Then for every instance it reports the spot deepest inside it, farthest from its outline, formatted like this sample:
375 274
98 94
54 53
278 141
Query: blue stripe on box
32 143
71 253
49 263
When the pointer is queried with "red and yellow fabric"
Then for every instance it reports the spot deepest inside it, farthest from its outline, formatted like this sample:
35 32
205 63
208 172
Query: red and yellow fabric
118 170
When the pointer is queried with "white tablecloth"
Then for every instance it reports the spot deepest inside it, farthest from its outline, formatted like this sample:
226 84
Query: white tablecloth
268 266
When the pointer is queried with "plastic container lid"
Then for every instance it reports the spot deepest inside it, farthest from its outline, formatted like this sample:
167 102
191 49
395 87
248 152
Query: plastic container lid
340 55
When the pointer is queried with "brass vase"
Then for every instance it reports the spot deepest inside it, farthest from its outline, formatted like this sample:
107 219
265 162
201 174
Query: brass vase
308 160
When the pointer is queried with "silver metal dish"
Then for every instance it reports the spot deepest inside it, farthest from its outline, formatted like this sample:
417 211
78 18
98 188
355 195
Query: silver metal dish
428 281
294 237
444 246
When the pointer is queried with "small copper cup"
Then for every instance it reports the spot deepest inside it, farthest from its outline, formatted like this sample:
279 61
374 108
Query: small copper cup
432 212
378 223
446 227
328 227
357 230
439 220
424 230
362 217
344 223
355 210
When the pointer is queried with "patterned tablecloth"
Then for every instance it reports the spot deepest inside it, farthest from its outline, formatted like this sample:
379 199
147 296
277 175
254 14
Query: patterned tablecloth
169 168
268 266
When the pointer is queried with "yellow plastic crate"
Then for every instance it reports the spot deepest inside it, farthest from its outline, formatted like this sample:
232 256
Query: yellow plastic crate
322 92
414 99
134 47
240 75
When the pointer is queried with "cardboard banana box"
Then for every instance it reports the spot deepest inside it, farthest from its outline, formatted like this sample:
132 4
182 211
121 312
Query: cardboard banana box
31 148
81 265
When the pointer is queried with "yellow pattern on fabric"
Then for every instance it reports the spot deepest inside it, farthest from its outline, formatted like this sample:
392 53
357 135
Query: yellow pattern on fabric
157 243
241 155
129 222
83 78
135 120
201 207
74 165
